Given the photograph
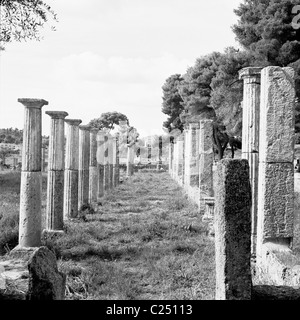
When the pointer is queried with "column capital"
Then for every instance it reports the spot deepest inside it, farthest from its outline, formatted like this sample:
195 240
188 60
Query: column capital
73 122
33 103
194 125
94 130
57 114
85 127
250 72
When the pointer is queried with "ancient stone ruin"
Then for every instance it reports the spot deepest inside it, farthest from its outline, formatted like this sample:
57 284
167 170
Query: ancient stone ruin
249 202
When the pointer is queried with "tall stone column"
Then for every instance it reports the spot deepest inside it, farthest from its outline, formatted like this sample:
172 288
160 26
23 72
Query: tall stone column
250 136
159 164
31 176
205 162
276 156
106 163
149 151
130 160
71 168
171 154
116 160
192 156
180 158
100 163
93 171
84 161
56 166
110 160
233 230
43 158
175 160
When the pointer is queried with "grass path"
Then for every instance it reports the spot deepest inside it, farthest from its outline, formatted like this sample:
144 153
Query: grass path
145 241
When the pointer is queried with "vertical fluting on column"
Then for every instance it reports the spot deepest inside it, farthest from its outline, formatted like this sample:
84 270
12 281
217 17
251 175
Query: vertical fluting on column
71 168
233 230
93 171
276 155
115 160
106 164
31 176
205 162
84 161
159 164
250 136
110 160
100 163
56 166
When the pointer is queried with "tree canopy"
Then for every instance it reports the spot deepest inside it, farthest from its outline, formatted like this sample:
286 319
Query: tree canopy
108 120
172 102
23 19
265 29
212 89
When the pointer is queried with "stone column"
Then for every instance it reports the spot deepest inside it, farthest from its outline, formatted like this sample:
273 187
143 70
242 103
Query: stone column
100 163
192 156
171 154
71 169
43 159
180 159
233 230
175 160
31 176
250 136
149 151
159 164
110 160
93 171
84 161
116 173
56 166
106 164
206 162
130 160
276 156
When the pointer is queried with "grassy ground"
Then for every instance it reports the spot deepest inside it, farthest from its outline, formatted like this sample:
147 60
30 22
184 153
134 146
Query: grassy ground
145 241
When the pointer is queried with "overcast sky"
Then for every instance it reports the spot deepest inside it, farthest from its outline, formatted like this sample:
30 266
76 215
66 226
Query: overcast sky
112 55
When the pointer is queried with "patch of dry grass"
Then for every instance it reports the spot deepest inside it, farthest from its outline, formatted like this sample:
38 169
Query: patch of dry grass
137 246
145 240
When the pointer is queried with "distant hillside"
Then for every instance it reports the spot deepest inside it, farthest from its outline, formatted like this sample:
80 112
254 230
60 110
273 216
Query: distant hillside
11 135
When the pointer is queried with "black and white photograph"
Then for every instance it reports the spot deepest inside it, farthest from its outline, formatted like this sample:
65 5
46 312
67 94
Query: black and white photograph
150 153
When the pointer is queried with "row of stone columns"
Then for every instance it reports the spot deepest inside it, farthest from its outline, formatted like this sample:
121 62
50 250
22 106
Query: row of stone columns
76 170
191 161
259 190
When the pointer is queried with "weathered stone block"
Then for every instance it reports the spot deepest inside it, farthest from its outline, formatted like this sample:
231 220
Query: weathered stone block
233 230
277 118
275 201
31 274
